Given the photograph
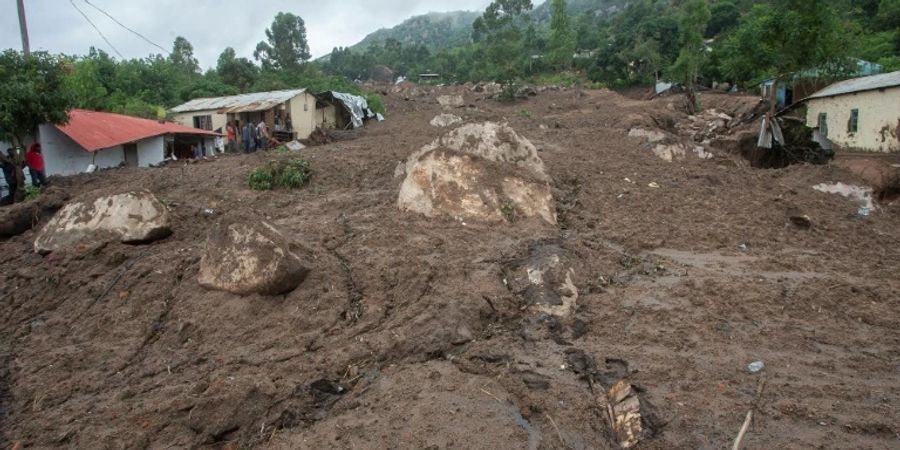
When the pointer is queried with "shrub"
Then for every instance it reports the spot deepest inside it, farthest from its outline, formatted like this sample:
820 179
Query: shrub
32 192
524 113
291 174
375 103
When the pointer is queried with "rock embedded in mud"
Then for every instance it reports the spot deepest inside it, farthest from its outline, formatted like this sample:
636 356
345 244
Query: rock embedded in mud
451 101
249 257
482 172
445 120
132 218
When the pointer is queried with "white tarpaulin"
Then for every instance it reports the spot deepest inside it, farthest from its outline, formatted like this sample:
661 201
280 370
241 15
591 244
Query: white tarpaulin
357 106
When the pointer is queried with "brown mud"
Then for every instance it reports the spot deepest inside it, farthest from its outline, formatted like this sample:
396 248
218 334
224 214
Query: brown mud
411 332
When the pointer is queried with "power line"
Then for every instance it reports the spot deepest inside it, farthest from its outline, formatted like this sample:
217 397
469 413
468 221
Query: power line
95 27
125 27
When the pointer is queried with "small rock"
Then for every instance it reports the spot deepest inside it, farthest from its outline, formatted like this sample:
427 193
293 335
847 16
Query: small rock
756 367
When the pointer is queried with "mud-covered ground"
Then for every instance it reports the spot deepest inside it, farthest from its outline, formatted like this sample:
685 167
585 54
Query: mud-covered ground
411 332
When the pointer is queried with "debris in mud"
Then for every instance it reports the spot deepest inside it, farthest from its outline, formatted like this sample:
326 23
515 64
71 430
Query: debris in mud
625 416
544 281
859 195
21 217
800 220
318 137
483 172
249 257
668 147
445 120
134 217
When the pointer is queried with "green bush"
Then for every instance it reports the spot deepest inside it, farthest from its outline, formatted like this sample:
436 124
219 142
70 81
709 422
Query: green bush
291 174
32 192
524 113
375 103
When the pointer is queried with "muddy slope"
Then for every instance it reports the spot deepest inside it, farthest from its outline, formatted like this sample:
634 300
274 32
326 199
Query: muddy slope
412 332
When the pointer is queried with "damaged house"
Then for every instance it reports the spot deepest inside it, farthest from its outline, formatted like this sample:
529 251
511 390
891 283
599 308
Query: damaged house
860 114
290 114
110 140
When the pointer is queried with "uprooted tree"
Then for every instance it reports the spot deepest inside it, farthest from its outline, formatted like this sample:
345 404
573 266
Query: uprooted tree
32 92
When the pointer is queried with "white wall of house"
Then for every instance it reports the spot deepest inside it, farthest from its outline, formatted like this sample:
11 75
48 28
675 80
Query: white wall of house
878 125
151 151
63 156
187 119
303 114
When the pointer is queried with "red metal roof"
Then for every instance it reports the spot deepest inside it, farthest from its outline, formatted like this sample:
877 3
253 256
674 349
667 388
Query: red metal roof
98 130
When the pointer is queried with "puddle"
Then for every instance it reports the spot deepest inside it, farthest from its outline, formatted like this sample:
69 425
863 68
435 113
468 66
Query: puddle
860 195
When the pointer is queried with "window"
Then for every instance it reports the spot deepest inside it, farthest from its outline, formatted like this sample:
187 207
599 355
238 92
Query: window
203 122
853 125
823 124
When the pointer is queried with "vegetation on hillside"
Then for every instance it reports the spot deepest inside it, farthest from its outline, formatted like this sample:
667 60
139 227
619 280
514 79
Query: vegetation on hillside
621 43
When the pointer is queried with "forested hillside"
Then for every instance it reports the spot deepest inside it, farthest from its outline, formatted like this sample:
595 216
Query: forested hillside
627 42
433 30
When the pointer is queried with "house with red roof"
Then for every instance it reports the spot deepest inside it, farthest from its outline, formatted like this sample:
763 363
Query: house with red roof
110 140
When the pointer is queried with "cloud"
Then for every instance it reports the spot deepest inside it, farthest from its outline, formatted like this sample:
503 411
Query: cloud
210 25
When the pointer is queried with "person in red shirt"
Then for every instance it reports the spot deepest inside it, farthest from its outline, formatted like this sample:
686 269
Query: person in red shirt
232 137
35 162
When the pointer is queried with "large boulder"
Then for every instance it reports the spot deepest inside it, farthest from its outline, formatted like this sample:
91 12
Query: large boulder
451 101
132 218
484 172
245 256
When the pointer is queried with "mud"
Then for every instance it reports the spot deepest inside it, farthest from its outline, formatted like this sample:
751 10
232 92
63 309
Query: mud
410 332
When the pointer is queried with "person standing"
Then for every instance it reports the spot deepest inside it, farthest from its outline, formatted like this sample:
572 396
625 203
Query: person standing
8 162
232 137
248 138
262 135
35 162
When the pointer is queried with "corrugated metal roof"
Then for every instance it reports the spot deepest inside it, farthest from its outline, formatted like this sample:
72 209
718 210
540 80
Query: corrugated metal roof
862 84
98 130
257 101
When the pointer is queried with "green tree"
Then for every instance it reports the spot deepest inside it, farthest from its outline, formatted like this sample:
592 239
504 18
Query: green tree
286 47
502 53
182 56
693 19
888 17
724 16
32 92
779 38
562 41
238 72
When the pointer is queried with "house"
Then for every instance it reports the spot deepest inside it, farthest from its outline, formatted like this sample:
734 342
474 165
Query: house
807 82
110 140
858 114
294 109
343 111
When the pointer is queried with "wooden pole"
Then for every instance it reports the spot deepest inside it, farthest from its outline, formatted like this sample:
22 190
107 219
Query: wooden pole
23 28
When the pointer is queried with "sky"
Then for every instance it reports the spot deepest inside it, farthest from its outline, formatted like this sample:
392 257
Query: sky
210 25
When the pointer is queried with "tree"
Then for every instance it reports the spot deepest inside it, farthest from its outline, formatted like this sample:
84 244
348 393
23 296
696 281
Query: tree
724 15
779 38
238 72
182 56
287 47
693 19
499 30
32 92
562 41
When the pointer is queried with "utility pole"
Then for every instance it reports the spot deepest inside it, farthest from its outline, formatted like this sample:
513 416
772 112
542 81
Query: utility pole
23 27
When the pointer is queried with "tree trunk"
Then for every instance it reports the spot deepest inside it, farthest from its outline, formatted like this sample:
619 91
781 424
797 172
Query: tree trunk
19 163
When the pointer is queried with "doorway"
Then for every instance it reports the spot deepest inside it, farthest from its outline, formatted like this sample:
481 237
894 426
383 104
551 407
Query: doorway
131 155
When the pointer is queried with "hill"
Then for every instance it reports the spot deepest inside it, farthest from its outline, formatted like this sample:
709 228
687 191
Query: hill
434 30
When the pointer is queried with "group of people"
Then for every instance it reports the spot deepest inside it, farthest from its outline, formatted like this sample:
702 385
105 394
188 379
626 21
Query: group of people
12 167
247 138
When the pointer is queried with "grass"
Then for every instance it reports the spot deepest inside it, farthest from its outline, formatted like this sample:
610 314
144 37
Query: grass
32 192
524 113
508 209
290 174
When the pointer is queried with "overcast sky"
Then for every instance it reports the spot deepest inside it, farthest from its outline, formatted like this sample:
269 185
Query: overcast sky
210 25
